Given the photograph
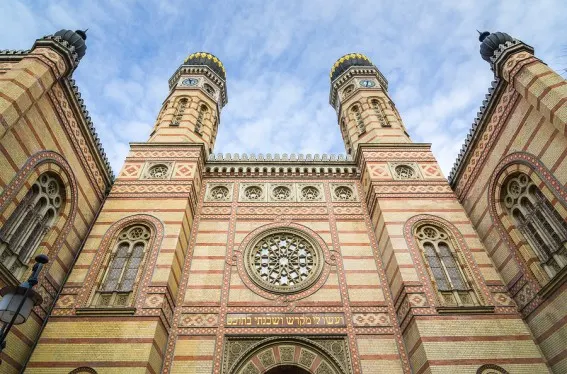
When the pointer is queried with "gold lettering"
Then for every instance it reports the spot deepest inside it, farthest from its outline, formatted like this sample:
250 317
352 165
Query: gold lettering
316 319
329 320
248 320
308 320
289 321
338 320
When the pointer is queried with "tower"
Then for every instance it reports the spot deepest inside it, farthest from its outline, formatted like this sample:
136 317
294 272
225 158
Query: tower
359 95
191 111
128 274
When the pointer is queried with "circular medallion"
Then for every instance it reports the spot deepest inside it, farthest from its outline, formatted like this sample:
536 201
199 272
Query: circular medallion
367 83
283 261
189 82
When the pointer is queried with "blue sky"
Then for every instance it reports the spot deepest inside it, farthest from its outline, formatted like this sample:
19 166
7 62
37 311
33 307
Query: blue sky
278 55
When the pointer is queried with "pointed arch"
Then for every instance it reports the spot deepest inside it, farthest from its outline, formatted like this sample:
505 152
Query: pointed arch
109 248
442 256
53 164
524 249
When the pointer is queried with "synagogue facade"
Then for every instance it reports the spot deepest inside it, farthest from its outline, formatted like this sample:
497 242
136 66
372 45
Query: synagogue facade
370 262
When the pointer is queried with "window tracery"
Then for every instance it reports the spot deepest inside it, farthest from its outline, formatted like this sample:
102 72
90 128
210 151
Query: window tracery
405 172
284 261
310 193
178 116
447 272
219 193
348 89
26 227
375 104
253 193
281 193
344 193
358 117
159 171
536 218
209 89
125 262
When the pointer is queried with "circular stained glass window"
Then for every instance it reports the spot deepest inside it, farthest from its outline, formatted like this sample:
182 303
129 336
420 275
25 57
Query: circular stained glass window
284 261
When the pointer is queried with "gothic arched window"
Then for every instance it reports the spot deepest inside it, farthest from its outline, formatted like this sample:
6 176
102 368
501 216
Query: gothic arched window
126 259
446 271
178 116
375 104
538 221
26 227
203 110
358 117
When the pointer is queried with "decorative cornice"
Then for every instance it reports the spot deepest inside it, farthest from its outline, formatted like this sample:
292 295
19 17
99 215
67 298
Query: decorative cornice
482 118
300 158
349 73
294 165
92 134
202 70
506 50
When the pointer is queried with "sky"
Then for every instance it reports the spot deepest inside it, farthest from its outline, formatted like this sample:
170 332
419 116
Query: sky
278 55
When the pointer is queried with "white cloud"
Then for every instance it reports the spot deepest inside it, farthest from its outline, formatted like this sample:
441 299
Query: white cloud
278 56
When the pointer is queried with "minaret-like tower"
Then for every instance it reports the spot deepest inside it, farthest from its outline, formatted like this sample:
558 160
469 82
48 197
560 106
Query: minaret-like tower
366 114
191 111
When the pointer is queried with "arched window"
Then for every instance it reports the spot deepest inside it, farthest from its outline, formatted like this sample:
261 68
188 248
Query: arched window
178 116
83 370
358 117
375 104
446 271
124 265
203 110
26 227
538 221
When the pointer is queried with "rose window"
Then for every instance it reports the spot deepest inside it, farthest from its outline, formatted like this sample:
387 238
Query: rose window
405 172
310 193
158 171
219 193
253 193
281 193
343 193
284 261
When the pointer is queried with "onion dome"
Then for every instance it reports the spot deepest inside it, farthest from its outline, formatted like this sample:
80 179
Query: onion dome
207 59
345 62
75 39
490 42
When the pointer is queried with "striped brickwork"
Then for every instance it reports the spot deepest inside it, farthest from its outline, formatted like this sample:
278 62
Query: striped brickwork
439 339
215 286
388 129
136 333
524 133
43 130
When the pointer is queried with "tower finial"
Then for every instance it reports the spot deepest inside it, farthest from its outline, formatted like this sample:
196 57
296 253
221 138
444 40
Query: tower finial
482 35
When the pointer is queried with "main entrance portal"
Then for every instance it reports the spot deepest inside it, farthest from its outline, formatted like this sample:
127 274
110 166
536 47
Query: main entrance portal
288 369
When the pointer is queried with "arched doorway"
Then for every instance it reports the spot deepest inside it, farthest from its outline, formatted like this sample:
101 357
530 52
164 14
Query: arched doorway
287 369
290 355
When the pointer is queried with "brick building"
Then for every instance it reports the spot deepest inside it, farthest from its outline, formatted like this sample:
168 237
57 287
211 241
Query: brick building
373 262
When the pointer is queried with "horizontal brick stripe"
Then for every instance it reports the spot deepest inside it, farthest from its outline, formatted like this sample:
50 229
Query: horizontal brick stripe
475 338
74 364
380 357
94 340
193 358
481 361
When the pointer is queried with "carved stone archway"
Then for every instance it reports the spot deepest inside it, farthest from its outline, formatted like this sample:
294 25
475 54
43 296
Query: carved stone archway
278 355
287 369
